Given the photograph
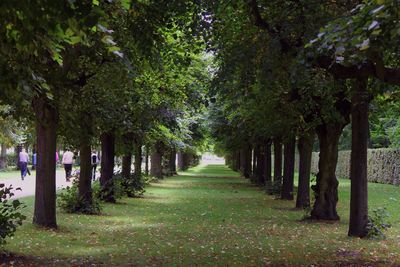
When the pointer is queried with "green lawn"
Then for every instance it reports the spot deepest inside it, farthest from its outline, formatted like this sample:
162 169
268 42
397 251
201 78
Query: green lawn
10 174
207 216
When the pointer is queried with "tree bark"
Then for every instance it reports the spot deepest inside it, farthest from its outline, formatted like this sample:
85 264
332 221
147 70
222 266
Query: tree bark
326 189
288 171
245 161
126 165
260 165
85 174
254 160
358 167
146 165
236 160
17 150
127 157
172 162
107 166
228 160
156 161
138 159
183 161
305 146
3 156
45 191
267 162
277 161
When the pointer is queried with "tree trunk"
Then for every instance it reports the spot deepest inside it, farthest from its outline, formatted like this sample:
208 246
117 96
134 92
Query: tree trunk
305 146
260 165
45 191
3 156
126 165
267 162
288 171
183 161
326 189
146 165
358 167
107 166
254 159
236 161
156 161
17 150
127 157
85 174
172 162
228 160
138 159
277 161
181 164
245 161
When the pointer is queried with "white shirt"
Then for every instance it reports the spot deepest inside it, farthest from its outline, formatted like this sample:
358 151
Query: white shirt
23 156
68 157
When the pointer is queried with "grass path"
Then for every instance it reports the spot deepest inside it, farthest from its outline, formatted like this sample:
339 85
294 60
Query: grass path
207 216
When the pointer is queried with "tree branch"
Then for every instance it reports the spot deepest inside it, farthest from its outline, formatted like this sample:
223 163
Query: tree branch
259 21
368 69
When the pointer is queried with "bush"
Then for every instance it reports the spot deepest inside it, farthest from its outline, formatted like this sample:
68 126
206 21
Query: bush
119 186
133 186
10 213
378 223
69 201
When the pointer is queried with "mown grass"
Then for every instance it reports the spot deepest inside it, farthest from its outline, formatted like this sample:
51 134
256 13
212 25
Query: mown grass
10 174
208 216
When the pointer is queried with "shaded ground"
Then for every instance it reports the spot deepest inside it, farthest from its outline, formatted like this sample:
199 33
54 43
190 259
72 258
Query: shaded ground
206 217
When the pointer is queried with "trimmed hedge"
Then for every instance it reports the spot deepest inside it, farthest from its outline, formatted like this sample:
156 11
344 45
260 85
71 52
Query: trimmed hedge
383 165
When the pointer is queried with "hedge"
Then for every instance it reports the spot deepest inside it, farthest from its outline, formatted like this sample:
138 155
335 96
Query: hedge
383 165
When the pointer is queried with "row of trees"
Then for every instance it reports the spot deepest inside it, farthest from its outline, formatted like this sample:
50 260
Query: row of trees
116 74
292 70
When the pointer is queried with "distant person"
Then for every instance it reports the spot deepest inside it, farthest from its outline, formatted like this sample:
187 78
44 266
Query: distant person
57 157
23 163
95 161
34 160
67 160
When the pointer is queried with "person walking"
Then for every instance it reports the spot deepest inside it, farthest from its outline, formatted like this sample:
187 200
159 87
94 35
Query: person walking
23 163
95 161
67 160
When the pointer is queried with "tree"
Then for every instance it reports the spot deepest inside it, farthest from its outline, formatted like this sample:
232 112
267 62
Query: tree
360 57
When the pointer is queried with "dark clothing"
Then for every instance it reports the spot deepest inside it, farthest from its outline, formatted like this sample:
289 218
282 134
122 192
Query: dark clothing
94 166
68 170
24 169
95 159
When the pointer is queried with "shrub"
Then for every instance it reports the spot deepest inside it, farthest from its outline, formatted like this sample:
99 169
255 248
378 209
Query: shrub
112 189
132 186
69 201
378 223
10 213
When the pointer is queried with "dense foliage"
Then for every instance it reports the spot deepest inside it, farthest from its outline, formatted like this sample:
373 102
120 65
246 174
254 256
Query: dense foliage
11 215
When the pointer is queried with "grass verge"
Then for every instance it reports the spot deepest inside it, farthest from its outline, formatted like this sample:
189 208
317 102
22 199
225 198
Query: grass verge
207 216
